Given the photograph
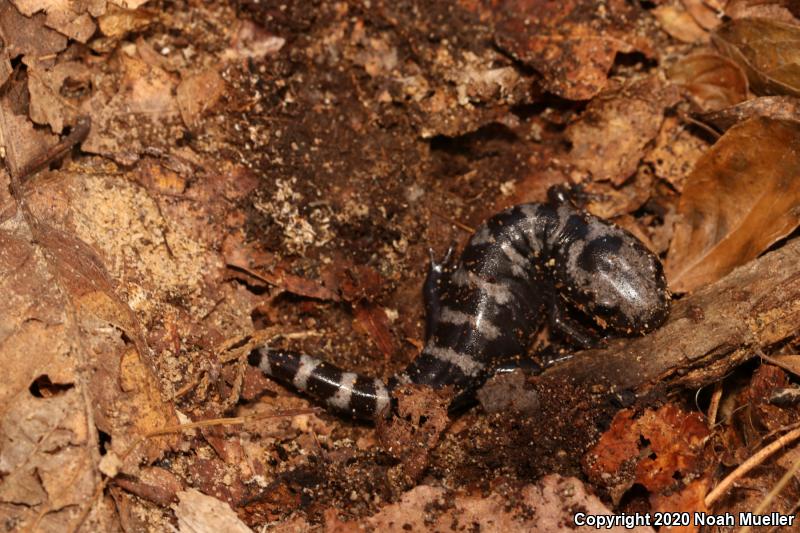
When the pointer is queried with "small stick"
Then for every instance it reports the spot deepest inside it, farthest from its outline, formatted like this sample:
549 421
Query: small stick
748 465
713 407
454 222
78 134
774 492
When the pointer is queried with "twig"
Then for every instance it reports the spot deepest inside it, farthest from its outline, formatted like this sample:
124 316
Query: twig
713 407
454 222
78 134
702 125
774 492
748 465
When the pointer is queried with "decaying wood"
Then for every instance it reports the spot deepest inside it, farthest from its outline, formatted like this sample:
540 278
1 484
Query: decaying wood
708 334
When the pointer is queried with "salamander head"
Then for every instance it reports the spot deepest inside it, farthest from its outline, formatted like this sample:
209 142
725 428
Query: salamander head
616 280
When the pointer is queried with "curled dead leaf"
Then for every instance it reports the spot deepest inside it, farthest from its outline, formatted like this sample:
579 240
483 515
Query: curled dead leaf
768 51
712 81
740 199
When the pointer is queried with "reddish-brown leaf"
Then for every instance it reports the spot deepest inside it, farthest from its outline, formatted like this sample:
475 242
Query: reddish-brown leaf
657 450
741 197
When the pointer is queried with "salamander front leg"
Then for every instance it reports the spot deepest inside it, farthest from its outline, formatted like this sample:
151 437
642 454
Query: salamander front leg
435 283
526 364
559 322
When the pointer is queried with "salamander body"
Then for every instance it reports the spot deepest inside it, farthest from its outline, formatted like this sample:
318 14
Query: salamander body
522 266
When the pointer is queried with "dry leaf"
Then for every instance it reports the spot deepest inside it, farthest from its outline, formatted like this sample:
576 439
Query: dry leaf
22 142
779 107
742 196
675 153
142 106
607 201
712 81
550 505
55 403
568 42
116 23
23 35
703 12
680 24
610 137
198 513
198 92
777 10
252 42
128 4
56 93
61 16
768 51
658 451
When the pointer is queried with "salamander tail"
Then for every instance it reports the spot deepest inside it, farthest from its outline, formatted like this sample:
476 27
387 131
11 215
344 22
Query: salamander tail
347 392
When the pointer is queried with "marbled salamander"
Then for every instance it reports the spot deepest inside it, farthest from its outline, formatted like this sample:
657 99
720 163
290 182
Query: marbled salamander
526 263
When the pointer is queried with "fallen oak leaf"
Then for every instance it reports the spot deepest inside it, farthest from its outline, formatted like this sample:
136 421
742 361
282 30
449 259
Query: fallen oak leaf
740 199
